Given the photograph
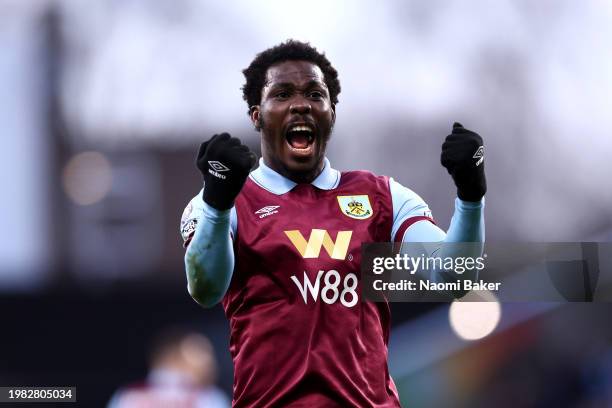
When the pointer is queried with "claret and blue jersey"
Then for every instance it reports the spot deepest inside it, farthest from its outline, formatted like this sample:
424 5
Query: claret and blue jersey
406 204
299 332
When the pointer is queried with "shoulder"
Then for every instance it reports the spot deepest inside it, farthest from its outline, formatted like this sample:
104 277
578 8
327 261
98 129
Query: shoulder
402 193
408 209
364 176
399 192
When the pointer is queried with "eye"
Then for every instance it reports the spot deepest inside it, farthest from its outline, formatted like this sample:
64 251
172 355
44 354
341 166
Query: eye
282 95
316 94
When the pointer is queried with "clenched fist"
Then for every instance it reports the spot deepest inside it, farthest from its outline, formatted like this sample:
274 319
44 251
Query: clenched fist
225 164
463 157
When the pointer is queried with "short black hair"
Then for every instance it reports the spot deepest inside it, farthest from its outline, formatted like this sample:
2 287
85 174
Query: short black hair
290 50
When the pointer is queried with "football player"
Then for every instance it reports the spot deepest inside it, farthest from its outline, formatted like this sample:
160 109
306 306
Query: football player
280 246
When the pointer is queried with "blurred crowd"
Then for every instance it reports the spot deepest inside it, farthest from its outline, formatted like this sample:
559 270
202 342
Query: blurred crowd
182 373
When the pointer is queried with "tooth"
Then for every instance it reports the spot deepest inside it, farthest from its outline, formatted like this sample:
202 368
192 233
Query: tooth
300 128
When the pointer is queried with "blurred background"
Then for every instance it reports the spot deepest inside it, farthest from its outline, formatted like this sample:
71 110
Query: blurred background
103 104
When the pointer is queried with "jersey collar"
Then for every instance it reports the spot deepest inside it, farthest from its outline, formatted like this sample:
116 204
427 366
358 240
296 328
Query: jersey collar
270 180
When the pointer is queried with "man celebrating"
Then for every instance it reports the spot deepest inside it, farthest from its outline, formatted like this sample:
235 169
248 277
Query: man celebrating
280 246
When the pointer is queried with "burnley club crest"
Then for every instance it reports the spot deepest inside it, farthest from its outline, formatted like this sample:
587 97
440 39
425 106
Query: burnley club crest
357 206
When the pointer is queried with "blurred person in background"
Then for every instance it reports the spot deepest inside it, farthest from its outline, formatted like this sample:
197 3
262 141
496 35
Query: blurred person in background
280 246
183 372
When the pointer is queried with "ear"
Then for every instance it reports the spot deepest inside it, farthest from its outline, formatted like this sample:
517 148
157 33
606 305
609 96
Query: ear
255 112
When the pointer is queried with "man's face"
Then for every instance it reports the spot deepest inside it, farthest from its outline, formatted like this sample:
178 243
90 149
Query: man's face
296 117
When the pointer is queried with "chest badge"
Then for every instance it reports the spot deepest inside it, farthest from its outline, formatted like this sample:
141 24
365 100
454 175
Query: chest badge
356 206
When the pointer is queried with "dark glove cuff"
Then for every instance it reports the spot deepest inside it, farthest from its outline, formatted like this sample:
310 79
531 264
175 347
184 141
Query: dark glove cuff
217 202
472 196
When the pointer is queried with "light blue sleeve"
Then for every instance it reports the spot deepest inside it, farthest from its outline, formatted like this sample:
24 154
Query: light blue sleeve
209 259
406 204
192 215
467 225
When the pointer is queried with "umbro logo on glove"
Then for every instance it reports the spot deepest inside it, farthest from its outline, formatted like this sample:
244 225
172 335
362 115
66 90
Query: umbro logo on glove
479 155
216 167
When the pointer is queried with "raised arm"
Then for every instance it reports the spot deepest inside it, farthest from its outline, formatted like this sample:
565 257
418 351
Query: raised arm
463 157
209 260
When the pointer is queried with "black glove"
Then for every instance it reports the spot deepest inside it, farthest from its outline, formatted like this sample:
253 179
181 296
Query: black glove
225 164
463 157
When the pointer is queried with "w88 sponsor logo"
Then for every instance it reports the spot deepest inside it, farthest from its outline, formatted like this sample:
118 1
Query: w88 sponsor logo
334 288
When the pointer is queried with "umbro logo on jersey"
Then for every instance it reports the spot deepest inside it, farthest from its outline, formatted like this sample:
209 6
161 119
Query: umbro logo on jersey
216 168
267 211
479 155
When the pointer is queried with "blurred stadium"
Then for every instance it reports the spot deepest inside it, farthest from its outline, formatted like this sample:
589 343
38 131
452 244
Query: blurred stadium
102 106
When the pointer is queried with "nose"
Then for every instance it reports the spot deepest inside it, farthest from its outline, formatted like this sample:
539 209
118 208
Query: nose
300 106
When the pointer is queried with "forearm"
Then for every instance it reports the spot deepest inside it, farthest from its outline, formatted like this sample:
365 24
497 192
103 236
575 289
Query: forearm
464 239
466 231
467 224
209 259
463 156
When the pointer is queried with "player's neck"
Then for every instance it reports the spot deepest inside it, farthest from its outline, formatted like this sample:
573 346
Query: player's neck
301 177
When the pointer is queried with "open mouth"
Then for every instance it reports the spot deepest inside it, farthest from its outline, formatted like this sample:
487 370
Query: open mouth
300 138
